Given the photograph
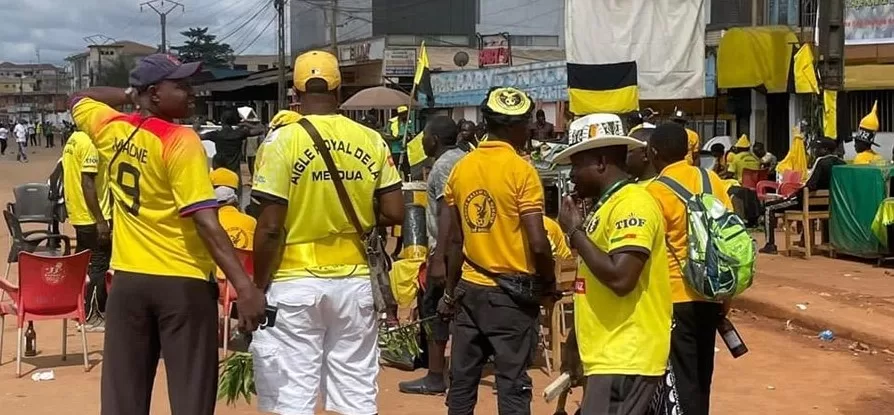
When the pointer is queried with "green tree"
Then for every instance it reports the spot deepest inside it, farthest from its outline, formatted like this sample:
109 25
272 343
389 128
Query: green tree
116 72
203 47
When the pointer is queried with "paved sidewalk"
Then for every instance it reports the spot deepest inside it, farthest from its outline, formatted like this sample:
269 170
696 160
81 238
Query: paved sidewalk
853 299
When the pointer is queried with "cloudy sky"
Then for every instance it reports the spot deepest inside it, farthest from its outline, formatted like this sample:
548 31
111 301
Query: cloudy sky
56 28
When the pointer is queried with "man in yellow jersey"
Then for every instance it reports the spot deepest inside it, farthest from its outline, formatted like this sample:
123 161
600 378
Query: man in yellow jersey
639 166
622 296
695 318
693 141
309 257
165 243
743 159
87 203
494 224
864 139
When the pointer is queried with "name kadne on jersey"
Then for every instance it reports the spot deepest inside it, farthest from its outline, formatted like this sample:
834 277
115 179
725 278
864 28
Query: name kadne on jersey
132 150
320 172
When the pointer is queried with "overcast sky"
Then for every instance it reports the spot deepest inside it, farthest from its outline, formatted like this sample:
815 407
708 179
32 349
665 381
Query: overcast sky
56 28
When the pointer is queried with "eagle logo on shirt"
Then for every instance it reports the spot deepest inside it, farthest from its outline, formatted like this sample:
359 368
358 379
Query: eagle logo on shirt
238 237
480 211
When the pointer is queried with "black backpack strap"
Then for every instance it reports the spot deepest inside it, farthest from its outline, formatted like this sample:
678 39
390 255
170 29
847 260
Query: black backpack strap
706 182
675 187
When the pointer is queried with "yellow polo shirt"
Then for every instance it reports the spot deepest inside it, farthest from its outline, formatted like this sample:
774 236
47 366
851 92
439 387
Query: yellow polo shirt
676 220
557 240
492 187
742 161
627 335
320 239
239 227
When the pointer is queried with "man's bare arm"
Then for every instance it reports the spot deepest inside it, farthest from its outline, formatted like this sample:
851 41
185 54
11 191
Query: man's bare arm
113 97
268 240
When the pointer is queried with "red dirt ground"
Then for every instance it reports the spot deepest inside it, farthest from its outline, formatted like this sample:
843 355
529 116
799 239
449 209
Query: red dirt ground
786 371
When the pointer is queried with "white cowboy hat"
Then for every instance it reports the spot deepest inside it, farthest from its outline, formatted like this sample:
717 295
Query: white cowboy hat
595 131
597 142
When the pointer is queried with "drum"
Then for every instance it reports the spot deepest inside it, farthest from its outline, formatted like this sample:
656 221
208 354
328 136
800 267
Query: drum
414 235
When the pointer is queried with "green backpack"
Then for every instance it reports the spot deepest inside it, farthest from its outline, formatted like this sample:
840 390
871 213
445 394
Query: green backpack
721 251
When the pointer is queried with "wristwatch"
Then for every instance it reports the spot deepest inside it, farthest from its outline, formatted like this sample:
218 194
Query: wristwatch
129 91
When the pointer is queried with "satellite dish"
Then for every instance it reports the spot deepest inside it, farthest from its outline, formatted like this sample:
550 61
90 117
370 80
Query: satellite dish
461 59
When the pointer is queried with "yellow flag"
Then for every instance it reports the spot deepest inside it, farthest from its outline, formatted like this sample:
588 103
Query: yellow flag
830 109
415 151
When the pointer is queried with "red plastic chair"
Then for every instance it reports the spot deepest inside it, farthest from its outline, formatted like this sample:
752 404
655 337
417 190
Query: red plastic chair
788 176
751 178
228 294
51 288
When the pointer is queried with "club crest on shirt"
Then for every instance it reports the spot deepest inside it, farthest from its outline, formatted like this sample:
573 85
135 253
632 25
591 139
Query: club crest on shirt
480 211
592 223
238 237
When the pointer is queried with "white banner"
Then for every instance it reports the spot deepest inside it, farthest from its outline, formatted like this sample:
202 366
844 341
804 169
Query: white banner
666 38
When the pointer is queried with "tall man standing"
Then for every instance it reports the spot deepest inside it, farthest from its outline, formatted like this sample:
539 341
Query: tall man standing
622 300
439 143
494 221
21 133
695 318
310 258
89 211
165 243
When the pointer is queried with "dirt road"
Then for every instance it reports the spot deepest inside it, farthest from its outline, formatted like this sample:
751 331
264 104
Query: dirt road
786 372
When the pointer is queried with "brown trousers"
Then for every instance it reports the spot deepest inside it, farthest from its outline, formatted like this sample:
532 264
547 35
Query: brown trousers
148 316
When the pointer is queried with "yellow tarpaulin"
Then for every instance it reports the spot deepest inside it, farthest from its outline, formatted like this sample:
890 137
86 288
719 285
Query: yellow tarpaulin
830 111
805 71
749 57
868 77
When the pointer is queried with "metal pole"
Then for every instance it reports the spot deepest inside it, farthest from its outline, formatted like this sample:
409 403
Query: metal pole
281 85
333 28
159 7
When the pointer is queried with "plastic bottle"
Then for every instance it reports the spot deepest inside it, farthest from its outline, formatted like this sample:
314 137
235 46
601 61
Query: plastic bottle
826 335
731 337
30 340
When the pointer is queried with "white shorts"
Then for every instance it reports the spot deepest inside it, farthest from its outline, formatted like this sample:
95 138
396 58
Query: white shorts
325 339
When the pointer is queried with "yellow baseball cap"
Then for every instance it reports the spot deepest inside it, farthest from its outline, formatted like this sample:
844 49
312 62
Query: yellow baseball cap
316 64
224 177
402 109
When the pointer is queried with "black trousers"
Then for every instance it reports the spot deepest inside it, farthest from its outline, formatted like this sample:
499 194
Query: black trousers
50 141
3 145
149 316
100 256
489 323
692 353
619 394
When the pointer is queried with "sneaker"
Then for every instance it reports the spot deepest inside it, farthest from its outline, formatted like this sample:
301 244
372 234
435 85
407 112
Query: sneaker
96 324
768 249
431 384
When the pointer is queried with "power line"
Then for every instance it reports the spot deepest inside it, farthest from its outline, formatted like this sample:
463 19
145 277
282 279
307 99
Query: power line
247 34
263 31
245 23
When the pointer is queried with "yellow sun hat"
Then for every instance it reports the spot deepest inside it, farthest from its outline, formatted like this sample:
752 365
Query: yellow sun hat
743 142
870 121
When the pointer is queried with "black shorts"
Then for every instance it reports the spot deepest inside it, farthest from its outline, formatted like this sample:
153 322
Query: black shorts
619 394
428 306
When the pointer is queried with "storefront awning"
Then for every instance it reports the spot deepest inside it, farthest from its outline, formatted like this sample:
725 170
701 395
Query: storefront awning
868 77
750 57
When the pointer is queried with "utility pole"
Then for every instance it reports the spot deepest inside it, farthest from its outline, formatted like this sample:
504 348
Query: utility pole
333 28
281 50
97 41
163 8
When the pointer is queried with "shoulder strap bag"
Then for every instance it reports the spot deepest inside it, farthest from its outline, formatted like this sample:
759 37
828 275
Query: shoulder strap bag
378 260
